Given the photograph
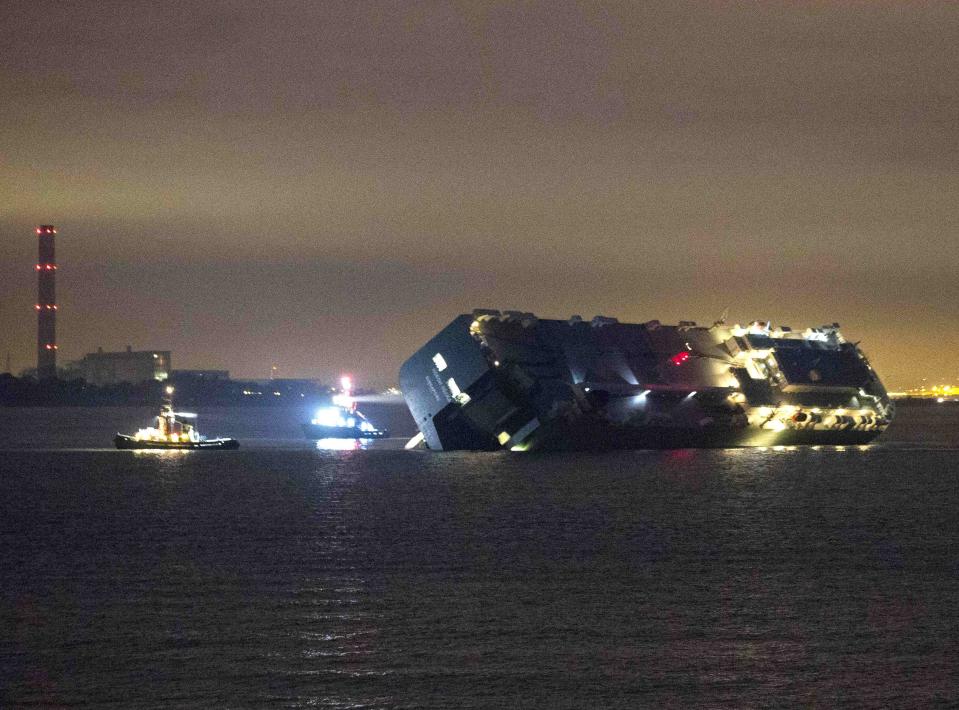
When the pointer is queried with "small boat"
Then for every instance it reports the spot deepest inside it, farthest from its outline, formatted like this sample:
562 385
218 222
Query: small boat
341 423
170 432
342 420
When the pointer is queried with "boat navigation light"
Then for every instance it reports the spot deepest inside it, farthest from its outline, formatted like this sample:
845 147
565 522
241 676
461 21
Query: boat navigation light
329 416
346 383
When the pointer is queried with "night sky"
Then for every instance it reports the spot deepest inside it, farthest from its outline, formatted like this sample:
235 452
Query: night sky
323 185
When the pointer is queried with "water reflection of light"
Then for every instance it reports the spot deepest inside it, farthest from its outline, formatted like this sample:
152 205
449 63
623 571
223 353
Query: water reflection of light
681 454
160 452
342 444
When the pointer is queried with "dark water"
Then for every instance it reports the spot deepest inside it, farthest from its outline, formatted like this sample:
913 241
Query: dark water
283 576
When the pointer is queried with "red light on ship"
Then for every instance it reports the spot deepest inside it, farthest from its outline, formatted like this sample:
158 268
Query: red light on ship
679 358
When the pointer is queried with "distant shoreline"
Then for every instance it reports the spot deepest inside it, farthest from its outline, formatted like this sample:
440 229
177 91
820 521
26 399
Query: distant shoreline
190 392
924 402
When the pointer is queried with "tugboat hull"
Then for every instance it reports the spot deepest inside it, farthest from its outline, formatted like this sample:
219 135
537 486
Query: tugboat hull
122 441
319 431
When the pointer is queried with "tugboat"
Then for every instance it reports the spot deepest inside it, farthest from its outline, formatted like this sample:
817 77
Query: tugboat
342 420
171 433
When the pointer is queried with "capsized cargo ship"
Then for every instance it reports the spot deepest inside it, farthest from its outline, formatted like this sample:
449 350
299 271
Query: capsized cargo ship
492 380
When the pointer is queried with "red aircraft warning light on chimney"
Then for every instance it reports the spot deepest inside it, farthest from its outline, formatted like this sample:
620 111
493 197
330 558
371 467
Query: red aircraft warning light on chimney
46 305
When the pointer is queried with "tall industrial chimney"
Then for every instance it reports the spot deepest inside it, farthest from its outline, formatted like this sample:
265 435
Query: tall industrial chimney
46 303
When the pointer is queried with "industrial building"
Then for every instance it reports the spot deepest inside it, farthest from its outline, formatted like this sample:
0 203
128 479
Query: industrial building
202 375
103 368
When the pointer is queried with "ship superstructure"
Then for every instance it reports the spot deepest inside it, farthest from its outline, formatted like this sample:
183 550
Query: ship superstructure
492 380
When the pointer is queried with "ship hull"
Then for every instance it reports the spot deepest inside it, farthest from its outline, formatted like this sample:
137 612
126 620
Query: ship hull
122 441
611 438
319 431
492 381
